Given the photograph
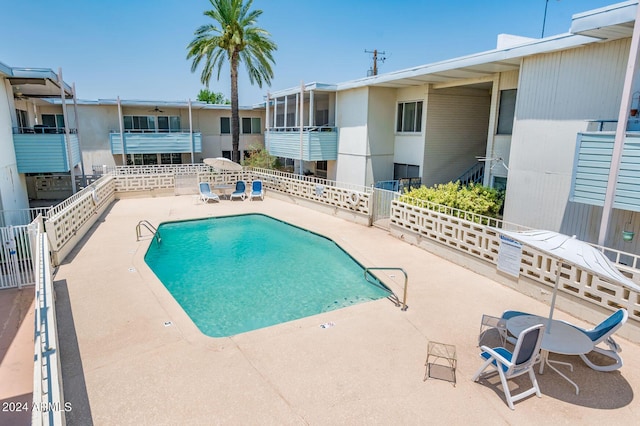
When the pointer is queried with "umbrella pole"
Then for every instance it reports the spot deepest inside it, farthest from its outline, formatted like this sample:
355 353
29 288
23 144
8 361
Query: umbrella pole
553 297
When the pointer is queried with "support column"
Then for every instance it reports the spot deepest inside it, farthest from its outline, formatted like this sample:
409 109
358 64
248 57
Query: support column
301 130
124 155
621 131
191 134
66 132
312 109
75 112
275 112
286 101
298 117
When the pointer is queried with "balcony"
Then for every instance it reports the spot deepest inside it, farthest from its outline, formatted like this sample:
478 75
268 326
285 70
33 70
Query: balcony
44 150
592 165
155 142
319 143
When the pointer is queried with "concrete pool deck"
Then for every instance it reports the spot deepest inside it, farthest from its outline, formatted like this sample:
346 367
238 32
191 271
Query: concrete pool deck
123 363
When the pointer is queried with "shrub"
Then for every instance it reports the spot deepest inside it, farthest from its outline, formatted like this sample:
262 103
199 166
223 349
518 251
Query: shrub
259 157
473 198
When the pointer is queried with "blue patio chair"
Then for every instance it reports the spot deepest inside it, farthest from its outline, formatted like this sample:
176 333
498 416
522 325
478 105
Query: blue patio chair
603 333
506 316
513 364
256 190
241 187
206 194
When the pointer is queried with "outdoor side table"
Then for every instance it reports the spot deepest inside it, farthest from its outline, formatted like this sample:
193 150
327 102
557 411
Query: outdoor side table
441 355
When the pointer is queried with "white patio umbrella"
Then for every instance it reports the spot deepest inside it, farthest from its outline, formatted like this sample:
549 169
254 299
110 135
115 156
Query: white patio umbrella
573 251
221 163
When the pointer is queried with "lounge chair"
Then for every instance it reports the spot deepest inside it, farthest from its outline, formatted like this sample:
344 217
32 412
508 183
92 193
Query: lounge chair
512 364
206 194
240 190
256 190
603 333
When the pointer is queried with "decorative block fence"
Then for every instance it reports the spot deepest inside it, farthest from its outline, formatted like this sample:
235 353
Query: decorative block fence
415 224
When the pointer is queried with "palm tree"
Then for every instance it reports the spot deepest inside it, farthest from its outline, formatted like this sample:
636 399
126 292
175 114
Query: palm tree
233 37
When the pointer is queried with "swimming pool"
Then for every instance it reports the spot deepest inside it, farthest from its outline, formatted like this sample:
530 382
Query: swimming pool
234 274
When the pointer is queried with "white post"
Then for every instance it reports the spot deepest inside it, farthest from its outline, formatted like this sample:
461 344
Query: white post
266 118
191 134
124 155
286 101
75 112
311 110
275 112
301 128
298 119
621 130
66 132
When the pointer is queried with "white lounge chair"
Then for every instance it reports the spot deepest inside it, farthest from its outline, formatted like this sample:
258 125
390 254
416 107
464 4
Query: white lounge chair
241 187
206 194
512 364
256 190
603 333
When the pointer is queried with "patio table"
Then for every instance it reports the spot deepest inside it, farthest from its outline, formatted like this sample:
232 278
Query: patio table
223 188
563 338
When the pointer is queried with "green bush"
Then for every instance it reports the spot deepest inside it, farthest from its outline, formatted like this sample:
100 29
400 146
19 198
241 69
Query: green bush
259 157
476 199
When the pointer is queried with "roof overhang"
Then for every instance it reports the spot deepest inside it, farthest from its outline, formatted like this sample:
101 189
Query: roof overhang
162 104
607 23
38 83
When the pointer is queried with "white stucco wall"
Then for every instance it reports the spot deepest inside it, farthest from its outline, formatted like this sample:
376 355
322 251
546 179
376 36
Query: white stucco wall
352 138
13 189
380 134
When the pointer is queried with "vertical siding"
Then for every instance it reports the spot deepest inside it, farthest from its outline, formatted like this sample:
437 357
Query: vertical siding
558 92
456 132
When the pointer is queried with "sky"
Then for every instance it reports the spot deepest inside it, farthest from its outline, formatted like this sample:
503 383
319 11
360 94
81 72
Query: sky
137 49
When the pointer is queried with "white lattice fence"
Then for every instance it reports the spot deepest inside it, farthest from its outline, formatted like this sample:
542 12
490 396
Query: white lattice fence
483 242
144 182
321 191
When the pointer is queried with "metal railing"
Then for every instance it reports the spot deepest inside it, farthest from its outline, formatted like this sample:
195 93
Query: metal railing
395 298
149 227
48 407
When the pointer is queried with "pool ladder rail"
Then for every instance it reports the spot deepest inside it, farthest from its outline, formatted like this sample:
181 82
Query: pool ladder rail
393 297
146 224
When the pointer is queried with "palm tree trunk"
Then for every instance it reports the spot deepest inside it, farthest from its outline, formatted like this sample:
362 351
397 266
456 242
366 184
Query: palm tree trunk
235 117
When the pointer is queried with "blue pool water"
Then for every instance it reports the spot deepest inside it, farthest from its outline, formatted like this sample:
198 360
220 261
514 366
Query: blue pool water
239 273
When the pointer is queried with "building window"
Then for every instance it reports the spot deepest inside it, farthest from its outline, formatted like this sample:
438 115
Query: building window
226 154
168 123
321 169
321 117
225 126
139 123
251 125
506 111
55 121
22 119
409 117
171 158
401 171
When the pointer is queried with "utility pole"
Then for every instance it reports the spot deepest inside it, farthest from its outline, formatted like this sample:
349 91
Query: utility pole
374 70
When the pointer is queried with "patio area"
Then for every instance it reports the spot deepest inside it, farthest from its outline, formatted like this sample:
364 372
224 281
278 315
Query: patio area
123 365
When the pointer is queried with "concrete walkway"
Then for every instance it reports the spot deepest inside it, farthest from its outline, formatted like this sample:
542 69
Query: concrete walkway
16 355
122 365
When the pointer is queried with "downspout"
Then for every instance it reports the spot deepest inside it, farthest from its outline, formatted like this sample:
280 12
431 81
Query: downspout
621 131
